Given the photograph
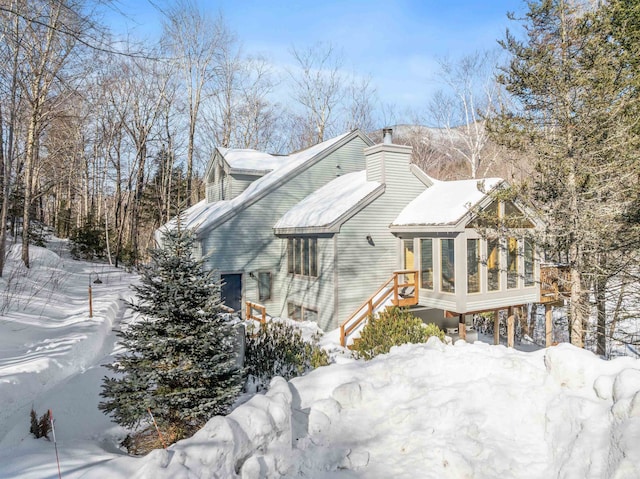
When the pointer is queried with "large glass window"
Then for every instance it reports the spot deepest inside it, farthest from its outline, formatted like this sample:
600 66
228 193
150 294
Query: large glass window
426 263
473 266
493 265
409 258
515 218
448 267
529 279
512 263
302 256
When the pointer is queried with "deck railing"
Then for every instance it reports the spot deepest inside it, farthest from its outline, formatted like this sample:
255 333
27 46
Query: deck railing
401 288
555 282
261 311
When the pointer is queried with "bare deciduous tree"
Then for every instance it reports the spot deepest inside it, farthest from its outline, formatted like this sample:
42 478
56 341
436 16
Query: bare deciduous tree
461 109
196 42
318 87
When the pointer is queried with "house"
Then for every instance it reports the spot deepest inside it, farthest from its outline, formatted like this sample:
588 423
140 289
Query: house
331 233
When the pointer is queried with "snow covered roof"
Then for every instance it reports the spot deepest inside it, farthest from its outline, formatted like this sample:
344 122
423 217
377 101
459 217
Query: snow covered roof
325 207
247 159
446 202
203 216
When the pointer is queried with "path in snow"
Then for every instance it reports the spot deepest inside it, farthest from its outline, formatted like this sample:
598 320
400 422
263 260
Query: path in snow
47 337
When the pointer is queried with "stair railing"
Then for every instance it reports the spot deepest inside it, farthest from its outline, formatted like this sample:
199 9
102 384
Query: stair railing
400 294
260 309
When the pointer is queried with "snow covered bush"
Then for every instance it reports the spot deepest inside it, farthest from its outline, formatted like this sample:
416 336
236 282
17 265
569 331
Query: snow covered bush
393 327
180 361
278 349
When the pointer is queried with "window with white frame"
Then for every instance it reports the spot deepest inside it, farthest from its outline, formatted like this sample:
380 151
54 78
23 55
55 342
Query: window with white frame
447 266
473 266
426 263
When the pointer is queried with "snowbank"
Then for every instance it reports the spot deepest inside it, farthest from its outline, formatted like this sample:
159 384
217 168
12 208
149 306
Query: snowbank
429 411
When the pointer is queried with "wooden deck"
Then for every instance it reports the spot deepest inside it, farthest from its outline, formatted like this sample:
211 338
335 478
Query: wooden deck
555 283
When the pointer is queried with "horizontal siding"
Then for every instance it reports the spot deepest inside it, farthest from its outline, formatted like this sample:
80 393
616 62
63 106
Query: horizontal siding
363 267
246 242
239 183
314 293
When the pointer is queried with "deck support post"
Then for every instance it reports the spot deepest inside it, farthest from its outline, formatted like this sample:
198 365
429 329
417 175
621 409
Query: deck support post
496 327
510 327
462 327
548 325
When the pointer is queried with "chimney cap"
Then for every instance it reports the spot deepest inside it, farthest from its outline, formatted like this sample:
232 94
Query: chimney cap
387 136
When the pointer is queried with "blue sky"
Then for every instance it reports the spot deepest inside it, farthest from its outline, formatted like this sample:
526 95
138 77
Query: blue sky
395 42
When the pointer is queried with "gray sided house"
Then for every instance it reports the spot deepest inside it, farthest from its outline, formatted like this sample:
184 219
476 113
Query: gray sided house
313 235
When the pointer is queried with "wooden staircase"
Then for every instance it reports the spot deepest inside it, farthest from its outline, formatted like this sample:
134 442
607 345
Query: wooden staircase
401 289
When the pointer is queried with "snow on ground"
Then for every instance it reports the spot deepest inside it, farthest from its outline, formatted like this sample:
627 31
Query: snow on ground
428 411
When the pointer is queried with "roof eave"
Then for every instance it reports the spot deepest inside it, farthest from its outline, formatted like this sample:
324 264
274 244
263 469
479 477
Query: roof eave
292 174
249 171
421 175
335 225
446 228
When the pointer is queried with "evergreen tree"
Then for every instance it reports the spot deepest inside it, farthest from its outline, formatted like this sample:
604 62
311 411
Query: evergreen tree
180 359
574 114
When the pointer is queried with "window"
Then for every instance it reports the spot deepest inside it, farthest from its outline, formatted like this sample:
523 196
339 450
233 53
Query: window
529 279
298 255
309 314
302 256
409 258
448 267
294 311
473 266
426 263
290 255
493 265
300 313
313 257
514 218
264 285
305 256
512 263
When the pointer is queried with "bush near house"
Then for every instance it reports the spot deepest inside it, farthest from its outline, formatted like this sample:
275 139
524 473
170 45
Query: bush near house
393 327
278 349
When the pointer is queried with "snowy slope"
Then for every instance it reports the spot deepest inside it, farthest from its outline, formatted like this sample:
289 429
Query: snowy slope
426 411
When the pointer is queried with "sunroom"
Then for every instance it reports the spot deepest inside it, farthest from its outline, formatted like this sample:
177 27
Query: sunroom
463 266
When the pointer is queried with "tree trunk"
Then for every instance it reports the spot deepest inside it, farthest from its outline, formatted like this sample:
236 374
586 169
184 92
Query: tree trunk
601 329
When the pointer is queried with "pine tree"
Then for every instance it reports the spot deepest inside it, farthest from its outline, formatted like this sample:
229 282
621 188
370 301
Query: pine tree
574 111
180 359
